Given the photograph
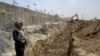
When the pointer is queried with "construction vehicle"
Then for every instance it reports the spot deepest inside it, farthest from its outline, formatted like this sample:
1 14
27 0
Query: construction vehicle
74 20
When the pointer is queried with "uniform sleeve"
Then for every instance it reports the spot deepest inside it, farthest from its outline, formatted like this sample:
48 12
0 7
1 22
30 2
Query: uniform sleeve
15 35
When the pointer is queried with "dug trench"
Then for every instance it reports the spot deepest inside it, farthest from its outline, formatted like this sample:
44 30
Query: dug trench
81 38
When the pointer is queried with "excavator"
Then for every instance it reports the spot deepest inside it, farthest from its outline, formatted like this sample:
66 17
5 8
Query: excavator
74 20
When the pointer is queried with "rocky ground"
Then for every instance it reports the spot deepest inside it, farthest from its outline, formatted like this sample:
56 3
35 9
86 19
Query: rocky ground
6 44
81 38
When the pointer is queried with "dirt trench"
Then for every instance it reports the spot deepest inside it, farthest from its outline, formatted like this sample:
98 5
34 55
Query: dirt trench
81 38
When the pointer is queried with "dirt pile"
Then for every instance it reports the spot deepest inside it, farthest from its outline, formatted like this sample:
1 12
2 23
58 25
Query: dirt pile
87 38
6 44
81 38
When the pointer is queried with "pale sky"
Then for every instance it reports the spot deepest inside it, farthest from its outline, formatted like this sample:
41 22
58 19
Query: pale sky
85 8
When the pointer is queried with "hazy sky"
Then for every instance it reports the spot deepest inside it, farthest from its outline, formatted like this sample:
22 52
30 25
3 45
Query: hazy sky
85 8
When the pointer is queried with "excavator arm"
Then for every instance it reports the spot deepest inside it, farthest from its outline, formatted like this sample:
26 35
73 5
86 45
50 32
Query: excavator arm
72 18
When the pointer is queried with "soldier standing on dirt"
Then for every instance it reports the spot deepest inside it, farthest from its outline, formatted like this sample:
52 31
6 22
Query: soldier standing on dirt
20 41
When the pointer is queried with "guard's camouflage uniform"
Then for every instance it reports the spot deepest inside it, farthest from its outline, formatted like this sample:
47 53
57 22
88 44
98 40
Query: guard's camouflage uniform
19 44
